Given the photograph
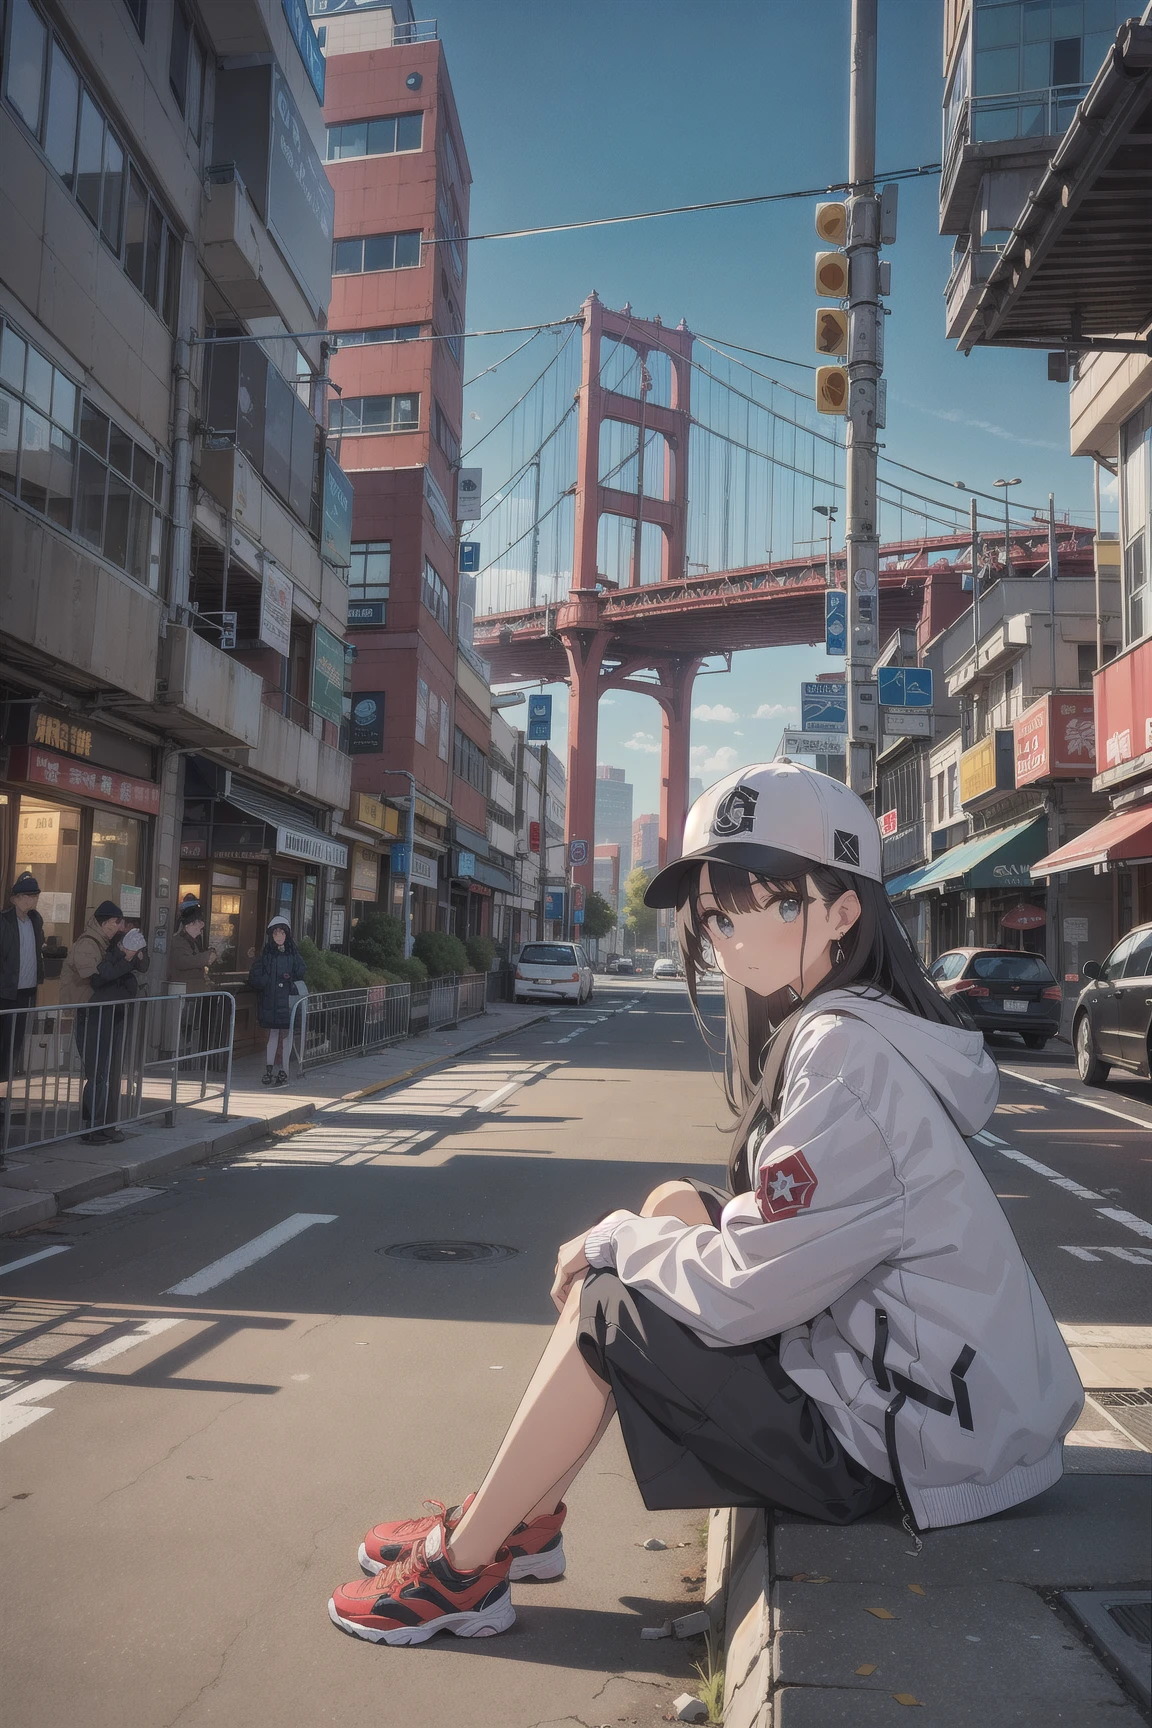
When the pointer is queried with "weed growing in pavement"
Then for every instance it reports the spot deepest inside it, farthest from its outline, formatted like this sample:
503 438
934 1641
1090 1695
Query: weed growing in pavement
711 1688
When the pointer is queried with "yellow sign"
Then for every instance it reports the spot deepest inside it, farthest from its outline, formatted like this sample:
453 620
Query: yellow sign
978 769
374 813
365 873
62 735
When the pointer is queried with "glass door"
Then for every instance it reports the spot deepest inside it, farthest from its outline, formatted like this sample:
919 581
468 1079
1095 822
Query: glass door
48 845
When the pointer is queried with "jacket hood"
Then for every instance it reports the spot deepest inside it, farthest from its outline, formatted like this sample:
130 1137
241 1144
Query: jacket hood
952 1061
93 929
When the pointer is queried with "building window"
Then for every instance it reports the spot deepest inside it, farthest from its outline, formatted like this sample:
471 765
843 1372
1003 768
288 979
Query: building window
251 405
434 594
138 12
370 572
43 87
469 762
395 135
179 54
385 333
369 414
376 252
953 790
444 434
104 488
448 228
1136 522
422 695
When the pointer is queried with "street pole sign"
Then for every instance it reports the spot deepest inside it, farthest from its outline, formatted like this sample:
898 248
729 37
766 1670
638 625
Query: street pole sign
836 622
539 719
814 743
469 557
824 706
906 723
905 686
577 852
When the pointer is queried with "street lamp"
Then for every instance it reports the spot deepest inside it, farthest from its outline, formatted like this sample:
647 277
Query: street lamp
1007 554
409 846
830 511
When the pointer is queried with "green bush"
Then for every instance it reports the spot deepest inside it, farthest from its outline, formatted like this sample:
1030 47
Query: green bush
481 951
440 952
329 971
353 974
411 971
378 941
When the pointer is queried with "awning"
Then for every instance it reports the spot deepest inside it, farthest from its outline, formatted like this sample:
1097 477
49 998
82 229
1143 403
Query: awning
1122 838
266 807
906 883
1003 859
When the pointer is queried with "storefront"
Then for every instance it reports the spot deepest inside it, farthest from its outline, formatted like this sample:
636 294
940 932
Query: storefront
1122 692
371 830
973 887
77 807
249 856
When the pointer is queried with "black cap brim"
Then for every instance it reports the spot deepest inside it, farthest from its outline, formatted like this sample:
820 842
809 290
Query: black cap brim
664 888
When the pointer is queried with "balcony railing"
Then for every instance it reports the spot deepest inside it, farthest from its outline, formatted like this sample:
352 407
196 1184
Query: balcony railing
1023 114
420 30
292 708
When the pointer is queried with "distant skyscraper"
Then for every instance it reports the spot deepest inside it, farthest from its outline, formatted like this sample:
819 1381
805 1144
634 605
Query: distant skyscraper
614 814
646 842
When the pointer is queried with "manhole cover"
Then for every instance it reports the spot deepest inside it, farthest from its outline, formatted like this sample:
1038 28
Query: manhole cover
449 1253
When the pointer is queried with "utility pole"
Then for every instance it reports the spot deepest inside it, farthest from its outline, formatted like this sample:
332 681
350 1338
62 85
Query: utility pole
975 533
1053 556
862 540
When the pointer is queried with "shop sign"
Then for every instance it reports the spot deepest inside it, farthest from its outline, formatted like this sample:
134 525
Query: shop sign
469 491
336 531
988 767
362 612
60 734
365 873
424 870
1055 738
373 813
887 823
46 768
39 841
90 742
276 611
328 675
307 43
465 863
1123 694
314 847
1024 918
554 905
366 733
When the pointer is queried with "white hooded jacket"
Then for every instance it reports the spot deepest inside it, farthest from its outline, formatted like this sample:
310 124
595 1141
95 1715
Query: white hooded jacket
874 1247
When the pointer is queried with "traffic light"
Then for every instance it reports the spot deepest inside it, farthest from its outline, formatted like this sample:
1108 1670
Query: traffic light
831 330
832 275
831 390
832 223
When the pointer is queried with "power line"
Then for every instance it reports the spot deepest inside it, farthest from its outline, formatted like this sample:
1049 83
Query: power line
498 363
759 353
926 168
523 394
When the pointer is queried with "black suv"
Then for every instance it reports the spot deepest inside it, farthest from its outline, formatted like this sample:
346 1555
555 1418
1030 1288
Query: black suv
1001 990
1112 1026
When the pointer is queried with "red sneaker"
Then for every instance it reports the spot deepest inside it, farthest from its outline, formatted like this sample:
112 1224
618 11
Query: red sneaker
412 1600
537 1549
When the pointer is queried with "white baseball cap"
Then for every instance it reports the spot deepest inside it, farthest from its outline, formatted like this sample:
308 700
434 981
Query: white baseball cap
764 817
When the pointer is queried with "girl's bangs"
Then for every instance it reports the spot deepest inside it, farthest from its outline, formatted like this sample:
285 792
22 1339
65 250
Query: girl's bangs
734 889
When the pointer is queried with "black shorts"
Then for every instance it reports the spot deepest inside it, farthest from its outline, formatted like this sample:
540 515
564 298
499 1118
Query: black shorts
715 1427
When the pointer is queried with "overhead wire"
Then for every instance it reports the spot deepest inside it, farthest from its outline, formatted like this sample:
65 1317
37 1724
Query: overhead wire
523 394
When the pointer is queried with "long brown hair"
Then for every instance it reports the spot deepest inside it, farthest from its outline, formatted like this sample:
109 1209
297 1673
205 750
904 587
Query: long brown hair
877 957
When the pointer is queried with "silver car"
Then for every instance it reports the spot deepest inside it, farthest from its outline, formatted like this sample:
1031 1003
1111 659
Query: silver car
552 972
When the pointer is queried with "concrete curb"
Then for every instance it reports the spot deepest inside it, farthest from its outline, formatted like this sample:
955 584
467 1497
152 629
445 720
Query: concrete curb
738 1552
21 1207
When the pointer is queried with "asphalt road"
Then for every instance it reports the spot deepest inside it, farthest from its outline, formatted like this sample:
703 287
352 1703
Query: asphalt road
213 1386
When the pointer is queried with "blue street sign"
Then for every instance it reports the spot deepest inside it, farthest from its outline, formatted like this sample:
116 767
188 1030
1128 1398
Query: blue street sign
836 622
824 707
469 557
539 719
554 905
905 686
577 914
398 863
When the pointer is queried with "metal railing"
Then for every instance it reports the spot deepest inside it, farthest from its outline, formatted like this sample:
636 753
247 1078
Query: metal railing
88 1068
336 1023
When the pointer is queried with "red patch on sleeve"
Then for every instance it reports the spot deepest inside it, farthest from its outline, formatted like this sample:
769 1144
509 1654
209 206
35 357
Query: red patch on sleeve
785 1187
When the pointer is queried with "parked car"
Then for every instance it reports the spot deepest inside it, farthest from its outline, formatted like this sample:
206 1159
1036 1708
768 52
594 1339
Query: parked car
552 972
1112 1025
667 968
1001 990
622 964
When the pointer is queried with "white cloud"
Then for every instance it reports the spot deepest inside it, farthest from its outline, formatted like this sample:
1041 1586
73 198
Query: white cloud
737 733
644 741
607 702
715 711
705 760
773 710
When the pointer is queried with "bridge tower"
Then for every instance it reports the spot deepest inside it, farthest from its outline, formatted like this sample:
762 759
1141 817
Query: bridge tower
579 622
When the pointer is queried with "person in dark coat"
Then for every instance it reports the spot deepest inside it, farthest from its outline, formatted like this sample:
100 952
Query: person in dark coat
21 970
274 976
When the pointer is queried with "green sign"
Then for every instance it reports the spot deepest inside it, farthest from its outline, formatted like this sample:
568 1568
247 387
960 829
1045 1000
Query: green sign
328 676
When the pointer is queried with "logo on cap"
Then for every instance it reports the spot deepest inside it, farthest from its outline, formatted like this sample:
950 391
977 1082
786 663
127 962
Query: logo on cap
735 811
845 847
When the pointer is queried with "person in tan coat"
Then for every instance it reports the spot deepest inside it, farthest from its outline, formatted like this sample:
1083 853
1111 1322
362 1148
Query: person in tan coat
102 971
188 959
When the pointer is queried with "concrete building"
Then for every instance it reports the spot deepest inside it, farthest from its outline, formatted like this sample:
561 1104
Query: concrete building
173 533
1069 274
614 814
396 157
646 841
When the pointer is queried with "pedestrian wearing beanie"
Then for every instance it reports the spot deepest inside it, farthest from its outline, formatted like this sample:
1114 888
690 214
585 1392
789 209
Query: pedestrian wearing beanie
21 970
278 969
102 970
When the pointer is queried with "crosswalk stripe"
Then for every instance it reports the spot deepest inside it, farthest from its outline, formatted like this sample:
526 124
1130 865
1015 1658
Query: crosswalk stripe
248 1253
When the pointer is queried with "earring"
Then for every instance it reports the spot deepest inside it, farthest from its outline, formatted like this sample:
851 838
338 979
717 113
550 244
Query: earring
837 955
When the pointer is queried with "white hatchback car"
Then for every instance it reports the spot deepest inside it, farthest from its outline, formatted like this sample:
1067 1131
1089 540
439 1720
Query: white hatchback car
553 972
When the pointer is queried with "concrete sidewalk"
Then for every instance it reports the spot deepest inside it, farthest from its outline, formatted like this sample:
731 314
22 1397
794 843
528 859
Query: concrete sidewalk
828 1627
48 1179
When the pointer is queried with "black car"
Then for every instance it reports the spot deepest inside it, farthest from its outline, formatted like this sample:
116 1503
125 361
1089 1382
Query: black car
1001 990
1112 1026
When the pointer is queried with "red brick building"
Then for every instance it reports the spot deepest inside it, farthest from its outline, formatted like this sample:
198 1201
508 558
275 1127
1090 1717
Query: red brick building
396 157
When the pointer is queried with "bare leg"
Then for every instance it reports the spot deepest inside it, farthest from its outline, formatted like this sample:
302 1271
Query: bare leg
561 1419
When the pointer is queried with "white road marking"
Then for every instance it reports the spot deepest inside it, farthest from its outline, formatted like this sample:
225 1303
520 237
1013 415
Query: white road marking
31 1259
247 1255
112 1202
117 1346
1116 1214
16 1408
21 1407
1075 1098
1133 1256
502 1094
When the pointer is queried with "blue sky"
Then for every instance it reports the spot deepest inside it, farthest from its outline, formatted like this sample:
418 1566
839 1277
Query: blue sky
572 112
